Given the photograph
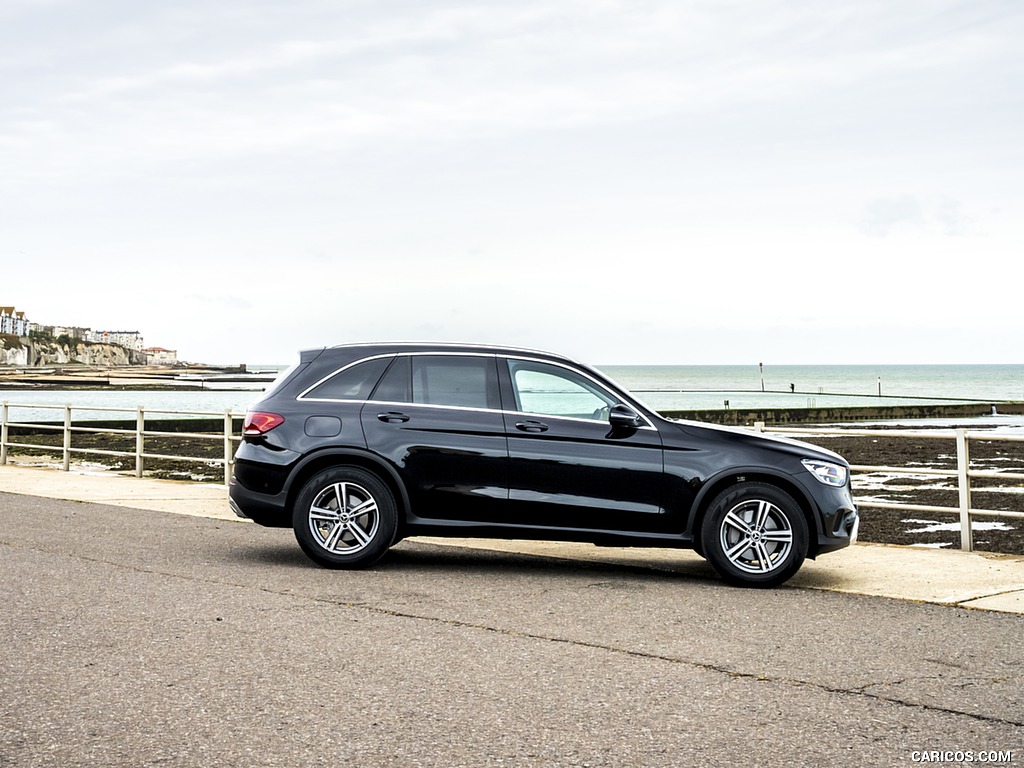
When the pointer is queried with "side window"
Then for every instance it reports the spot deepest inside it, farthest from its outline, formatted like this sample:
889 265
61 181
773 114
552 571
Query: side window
550 390
353 383
395 386
467 382
470 382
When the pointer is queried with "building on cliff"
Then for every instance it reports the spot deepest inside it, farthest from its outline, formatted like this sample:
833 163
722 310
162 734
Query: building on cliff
38 345
71 331
126 339
13 322
160 356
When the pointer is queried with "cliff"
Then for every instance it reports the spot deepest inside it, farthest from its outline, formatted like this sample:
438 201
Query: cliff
12 351
30 352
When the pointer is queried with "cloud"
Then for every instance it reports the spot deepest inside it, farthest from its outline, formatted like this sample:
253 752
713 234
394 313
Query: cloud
953 219
945 216
882 215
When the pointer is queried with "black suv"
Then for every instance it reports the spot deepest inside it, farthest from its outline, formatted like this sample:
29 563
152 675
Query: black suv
358 446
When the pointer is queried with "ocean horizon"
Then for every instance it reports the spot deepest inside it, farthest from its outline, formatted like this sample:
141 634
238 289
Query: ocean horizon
662 387
917 382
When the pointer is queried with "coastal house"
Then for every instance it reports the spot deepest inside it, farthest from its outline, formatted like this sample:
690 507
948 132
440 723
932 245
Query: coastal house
160 356
72 332
126 339
13 322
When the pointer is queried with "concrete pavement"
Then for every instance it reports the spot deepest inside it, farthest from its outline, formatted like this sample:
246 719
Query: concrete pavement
945 577
136 638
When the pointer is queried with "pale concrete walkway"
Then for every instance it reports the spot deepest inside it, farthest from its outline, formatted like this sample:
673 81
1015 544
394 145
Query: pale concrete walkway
945 577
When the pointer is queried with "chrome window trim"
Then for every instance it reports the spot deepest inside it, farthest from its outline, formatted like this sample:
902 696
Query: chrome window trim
648 425
332 374
585 374
551 417
419 353
401 404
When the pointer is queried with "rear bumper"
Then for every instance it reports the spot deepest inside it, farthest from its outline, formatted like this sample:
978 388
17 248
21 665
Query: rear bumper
270 510
237 509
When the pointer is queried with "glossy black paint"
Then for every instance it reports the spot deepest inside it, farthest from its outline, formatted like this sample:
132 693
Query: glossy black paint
490 467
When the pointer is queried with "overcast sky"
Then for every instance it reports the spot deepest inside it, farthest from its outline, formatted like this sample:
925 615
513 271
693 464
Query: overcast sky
646 181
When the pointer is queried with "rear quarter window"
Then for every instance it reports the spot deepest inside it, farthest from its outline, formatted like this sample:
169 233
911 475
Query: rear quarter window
355 382
283 378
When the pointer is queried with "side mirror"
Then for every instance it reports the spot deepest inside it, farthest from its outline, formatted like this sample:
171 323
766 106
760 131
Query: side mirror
623 417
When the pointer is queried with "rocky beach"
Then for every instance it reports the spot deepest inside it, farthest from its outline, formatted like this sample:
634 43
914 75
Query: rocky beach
125 377
992 534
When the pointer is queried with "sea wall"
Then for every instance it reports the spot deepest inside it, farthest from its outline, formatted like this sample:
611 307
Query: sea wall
749 417
32 353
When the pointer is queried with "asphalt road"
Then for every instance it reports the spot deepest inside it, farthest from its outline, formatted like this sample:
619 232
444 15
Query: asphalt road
132 638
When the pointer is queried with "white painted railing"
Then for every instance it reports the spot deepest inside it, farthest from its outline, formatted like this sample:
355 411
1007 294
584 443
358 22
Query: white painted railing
69 427
963 472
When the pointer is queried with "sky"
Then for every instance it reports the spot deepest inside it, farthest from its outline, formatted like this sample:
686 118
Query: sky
637 182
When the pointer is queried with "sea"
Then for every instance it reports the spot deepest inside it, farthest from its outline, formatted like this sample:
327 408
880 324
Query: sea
699 387
662 387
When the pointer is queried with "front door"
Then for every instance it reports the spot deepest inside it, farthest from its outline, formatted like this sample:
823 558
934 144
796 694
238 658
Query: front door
568 467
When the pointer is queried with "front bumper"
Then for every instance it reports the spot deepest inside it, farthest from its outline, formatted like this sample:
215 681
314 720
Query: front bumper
841 521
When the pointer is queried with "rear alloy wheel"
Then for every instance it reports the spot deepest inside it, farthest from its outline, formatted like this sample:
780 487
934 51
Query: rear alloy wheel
755 535
345 517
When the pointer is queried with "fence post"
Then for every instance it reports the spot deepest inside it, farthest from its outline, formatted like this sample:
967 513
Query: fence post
4 433
227 446
140 440
963 465
67 438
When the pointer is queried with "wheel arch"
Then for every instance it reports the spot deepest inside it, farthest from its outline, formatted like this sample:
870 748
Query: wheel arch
715 485
329 458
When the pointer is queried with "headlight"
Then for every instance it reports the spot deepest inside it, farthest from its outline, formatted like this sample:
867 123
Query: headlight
827 472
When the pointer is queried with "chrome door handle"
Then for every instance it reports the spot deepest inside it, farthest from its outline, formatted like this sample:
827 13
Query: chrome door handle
392 417
531 426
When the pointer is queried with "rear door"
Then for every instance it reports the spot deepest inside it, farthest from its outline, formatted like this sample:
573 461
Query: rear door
437 418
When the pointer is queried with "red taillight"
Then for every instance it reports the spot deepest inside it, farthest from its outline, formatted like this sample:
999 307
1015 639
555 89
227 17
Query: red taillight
259 423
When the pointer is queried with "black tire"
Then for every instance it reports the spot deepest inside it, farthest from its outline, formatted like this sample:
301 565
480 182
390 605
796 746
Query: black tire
345 517
771 525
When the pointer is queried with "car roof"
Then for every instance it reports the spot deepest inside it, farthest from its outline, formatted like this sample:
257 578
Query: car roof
395 347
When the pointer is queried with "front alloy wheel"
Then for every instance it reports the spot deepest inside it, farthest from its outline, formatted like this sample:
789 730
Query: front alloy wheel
345 517
755 534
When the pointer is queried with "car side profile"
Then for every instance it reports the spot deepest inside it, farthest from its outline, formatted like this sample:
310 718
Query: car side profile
358 446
